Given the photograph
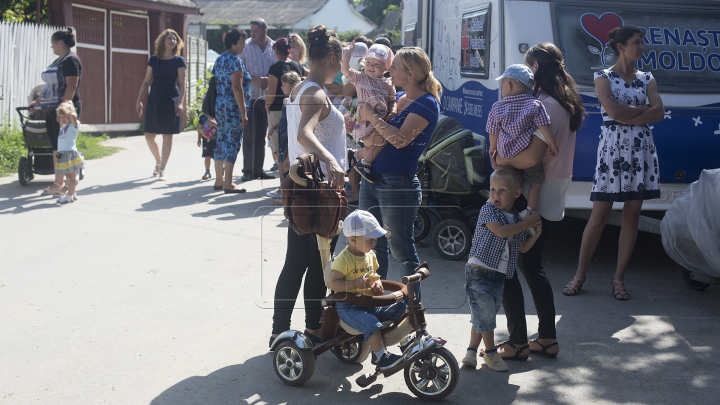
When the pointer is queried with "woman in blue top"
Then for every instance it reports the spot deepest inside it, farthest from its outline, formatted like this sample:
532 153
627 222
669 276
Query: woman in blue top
231 106
165 76
394 195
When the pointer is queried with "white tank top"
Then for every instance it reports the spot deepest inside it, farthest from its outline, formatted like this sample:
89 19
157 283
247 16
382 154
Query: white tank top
330 131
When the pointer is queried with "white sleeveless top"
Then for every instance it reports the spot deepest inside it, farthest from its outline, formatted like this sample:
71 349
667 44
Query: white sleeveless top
330 131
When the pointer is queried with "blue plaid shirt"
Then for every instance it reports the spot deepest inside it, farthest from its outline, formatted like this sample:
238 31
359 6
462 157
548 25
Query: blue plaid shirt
488 247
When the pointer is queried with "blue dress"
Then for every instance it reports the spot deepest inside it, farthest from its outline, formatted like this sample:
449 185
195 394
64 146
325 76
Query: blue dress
227 112
160 117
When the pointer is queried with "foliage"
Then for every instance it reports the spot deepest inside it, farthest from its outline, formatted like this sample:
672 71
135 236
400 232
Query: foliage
215 38
348 36
12 146
195 108
22 11
376 9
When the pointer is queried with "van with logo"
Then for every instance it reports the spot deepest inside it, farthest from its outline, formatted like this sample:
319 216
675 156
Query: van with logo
471 42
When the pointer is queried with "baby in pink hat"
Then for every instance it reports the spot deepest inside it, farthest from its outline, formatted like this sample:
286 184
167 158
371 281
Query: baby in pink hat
378 92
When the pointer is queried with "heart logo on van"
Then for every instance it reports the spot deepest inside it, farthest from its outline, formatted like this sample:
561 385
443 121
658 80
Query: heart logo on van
598 28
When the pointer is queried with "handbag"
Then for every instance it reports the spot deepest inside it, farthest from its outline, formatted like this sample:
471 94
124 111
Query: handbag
208 105
313 206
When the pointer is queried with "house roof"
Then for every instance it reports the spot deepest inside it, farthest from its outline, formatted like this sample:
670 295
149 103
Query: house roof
275 12
179 3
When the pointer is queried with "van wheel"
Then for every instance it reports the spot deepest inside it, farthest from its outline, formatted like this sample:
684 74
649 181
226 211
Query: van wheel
452 239
24 174
422 225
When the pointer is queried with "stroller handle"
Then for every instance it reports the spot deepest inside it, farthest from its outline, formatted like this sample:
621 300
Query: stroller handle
22 117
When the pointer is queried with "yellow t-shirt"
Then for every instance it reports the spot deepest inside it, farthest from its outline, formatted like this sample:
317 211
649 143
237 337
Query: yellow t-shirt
353 267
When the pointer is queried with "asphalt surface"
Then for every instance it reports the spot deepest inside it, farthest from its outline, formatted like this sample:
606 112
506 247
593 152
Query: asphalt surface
148 292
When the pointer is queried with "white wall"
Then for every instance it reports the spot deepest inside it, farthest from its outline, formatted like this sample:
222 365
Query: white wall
336 14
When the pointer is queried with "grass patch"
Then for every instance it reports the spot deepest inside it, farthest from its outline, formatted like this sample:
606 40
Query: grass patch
12 147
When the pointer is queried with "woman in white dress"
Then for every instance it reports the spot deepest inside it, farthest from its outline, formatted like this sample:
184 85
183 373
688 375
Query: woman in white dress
627 164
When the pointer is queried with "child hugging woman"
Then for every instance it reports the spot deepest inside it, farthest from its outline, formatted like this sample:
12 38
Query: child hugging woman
69 160
378 92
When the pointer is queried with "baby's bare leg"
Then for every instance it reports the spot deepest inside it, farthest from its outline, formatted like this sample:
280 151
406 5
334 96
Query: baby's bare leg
374 146
533 196
71 182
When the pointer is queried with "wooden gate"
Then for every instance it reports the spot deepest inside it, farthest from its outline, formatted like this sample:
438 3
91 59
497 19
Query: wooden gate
91 24
129 53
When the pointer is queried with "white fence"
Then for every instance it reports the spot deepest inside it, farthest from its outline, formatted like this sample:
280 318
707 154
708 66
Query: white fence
24 53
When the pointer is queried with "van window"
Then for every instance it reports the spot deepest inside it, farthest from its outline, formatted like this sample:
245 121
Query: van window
473 32
681 46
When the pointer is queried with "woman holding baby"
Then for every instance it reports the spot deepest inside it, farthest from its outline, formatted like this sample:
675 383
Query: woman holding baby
557 91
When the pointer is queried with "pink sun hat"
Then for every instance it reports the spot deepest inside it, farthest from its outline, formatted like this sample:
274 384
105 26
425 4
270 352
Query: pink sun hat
381 52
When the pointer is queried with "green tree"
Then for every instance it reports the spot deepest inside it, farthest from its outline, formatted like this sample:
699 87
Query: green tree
22 11
376 9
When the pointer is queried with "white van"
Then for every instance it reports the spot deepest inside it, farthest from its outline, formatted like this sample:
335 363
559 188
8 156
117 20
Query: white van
470 42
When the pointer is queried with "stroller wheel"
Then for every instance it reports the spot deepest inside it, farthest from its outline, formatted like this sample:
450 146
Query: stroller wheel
81 175
292 364
694 284
422 225
24 171
452 239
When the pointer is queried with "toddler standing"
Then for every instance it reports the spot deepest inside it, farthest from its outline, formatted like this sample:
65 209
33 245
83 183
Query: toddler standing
207 138
378 92
499 236
69 160
514 120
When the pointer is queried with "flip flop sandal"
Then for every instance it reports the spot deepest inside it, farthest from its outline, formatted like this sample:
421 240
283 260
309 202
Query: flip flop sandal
574 290
518 350
622 295
544 349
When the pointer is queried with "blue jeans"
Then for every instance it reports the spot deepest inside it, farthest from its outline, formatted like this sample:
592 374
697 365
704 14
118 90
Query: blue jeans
394 200
484 290
365 319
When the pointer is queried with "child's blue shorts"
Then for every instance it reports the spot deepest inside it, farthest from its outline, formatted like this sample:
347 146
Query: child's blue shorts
484 290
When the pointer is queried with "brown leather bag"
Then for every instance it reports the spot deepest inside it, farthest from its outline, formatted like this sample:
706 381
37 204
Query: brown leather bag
314 207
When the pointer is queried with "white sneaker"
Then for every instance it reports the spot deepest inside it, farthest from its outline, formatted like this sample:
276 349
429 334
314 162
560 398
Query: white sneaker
522 214
495 362
74 197
162 176
65 199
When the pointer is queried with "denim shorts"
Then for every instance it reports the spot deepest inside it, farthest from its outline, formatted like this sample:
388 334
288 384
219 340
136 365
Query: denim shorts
365 319
484 290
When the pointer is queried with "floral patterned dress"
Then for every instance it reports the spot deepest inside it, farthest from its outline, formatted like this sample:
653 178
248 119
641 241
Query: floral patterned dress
627 162
227 111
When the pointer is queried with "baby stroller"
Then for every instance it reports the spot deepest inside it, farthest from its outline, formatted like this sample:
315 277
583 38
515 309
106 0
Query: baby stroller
452 173
431 371
39 159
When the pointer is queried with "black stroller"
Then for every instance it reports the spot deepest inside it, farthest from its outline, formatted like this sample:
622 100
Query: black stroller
453 175
39 159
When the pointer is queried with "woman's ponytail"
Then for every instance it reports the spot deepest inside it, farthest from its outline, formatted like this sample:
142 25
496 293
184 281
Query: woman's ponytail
418 64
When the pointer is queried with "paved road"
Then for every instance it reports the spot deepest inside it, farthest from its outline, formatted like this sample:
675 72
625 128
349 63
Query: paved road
160 292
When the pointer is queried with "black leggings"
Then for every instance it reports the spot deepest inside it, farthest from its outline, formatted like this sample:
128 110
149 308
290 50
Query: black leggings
530 263
302 255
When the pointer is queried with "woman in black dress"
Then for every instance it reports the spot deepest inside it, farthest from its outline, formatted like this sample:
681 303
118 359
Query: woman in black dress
62 79
166 74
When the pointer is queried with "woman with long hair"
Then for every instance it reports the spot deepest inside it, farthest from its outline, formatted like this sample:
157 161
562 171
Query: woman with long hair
62 79
165 77
558 92
393 196
298 51
314 126
627 163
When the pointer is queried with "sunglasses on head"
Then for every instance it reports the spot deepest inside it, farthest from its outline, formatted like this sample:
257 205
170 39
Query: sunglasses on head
261 24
